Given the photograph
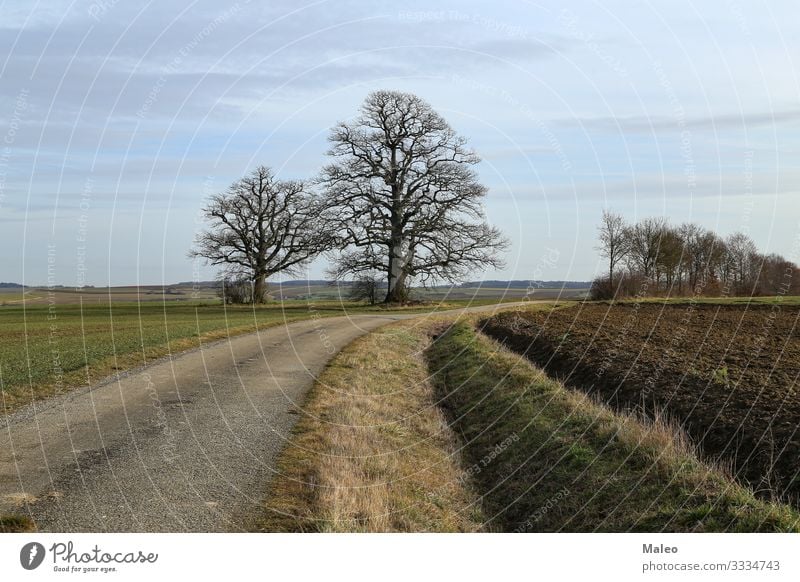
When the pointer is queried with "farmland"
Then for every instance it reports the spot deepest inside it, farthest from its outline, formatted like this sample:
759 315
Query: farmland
532 455
47 349
54 339
35 296
726 372
316 290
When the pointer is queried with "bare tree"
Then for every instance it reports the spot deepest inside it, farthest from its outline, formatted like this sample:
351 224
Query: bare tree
668 261
403 197
776 275
645 240
261 226
365 288
614 240
690 235
707 251
742 262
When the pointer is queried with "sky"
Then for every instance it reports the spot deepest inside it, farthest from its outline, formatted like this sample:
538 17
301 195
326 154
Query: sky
117 119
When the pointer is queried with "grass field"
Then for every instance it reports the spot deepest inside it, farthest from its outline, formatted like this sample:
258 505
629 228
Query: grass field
49 349
11 297
15 524
36 296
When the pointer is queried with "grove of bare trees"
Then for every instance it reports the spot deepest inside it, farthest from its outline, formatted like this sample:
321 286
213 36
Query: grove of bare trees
400 200
653 257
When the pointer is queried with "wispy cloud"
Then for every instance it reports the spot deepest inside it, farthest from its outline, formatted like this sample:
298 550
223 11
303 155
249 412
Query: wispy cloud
719 122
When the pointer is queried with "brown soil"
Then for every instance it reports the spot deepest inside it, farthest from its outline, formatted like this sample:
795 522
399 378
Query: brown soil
727 373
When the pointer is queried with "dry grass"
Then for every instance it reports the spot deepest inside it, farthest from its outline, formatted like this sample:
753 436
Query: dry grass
15 524
373 452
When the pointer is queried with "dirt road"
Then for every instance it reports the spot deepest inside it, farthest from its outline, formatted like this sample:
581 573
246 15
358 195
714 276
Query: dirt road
186 444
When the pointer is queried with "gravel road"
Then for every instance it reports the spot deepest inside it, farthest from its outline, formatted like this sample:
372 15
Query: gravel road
186 444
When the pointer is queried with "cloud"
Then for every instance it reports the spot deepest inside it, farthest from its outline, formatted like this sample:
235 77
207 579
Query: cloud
674 123
521 48
668 185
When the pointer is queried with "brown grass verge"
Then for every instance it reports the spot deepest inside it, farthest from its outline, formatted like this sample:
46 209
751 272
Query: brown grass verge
372 452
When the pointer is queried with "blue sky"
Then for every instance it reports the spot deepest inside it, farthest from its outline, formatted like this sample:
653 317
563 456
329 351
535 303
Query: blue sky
117 118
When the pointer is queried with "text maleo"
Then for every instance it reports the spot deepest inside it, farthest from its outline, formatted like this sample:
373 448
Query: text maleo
659 549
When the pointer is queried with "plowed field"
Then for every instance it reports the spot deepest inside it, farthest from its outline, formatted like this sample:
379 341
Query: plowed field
727 373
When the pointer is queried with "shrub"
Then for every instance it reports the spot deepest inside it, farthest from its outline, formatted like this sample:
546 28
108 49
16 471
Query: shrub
365 288
237 291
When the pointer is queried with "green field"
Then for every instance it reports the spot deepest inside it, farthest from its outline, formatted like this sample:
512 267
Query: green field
11 297
48 349
101 295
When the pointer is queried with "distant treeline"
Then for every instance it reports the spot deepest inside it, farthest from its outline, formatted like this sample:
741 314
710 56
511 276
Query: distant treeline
10 286
653 257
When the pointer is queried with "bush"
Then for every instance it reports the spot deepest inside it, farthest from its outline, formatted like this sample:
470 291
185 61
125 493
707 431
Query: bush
365 289
237 291
601 289
624 286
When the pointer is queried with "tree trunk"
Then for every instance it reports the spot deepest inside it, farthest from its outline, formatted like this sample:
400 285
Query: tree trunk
397 289
397 272
259 288
397 276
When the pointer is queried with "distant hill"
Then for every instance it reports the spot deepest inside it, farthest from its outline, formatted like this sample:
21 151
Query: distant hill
10 286
298 283
516 284
307 283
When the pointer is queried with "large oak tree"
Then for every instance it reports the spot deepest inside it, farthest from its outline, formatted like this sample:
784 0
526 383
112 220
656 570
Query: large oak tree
262 226
404 198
